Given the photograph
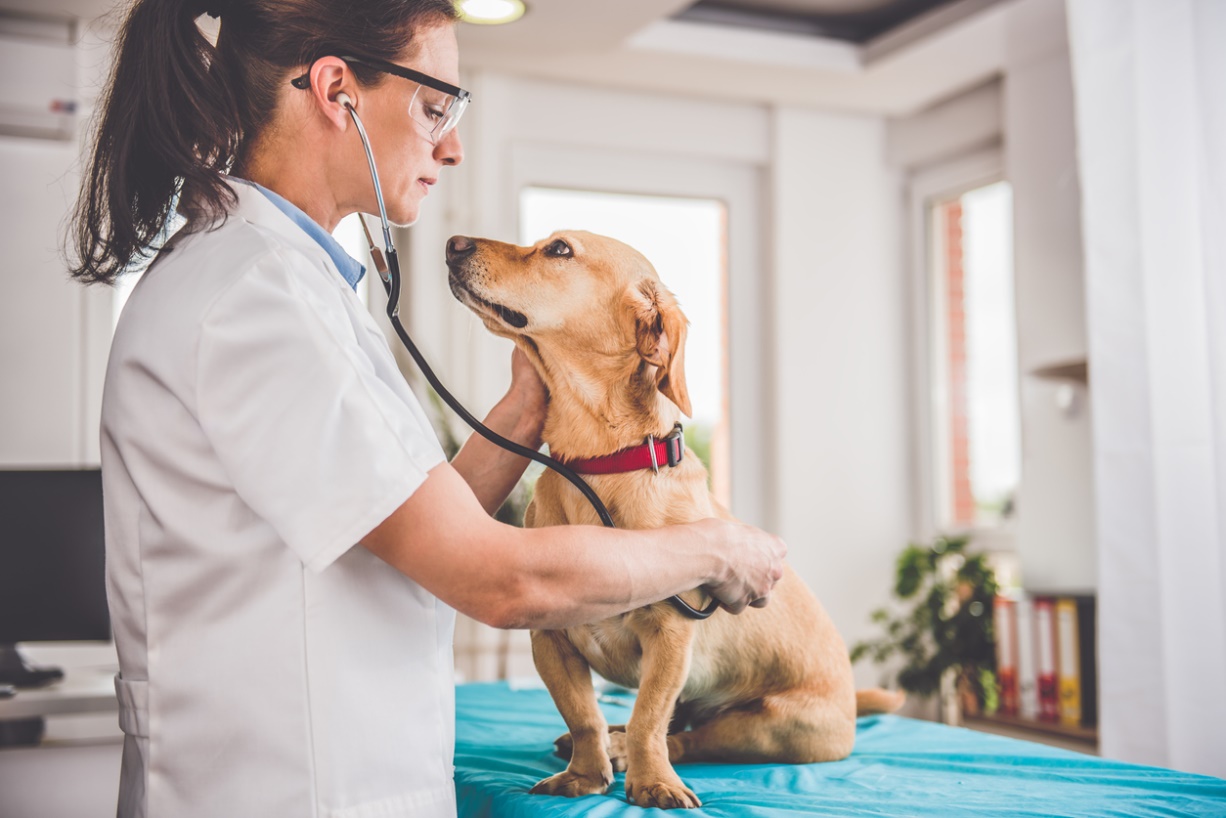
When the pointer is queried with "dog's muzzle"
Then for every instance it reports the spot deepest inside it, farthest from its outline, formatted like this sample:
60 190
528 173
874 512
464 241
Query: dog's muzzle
456 280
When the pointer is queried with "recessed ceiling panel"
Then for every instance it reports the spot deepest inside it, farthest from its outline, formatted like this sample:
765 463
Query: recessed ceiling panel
856 21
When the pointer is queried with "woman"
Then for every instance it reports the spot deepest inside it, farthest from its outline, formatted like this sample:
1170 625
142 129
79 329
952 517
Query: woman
286 543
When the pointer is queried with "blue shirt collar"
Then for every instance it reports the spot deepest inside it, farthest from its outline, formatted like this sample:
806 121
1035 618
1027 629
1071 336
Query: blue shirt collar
349 267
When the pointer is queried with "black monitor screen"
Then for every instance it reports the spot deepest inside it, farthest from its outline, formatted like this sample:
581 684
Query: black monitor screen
52 557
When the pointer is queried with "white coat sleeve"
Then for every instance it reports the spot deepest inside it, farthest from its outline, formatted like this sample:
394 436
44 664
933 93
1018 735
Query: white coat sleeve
310 437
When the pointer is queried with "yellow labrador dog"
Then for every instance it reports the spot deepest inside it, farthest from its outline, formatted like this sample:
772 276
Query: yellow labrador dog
773 684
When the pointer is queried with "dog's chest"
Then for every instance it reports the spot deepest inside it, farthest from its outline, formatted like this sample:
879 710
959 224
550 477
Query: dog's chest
611 649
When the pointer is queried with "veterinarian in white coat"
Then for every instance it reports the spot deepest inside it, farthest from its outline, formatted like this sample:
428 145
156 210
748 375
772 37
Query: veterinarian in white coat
286 544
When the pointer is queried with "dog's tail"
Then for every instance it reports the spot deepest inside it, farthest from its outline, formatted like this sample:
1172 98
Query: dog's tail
878 700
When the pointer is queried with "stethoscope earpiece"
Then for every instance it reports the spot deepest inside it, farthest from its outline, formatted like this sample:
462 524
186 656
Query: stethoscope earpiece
344 99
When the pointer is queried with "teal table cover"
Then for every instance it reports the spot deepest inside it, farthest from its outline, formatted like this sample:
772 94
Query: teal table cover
900 767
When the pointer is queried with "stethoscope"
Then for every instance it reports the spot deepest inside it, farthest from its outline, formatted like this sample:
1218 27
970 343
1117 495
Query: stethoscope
388 266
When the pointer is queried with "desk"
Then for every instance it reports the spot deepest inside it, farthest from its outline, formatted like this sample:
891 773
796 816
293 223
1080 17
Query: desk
82 690
81 708
74 771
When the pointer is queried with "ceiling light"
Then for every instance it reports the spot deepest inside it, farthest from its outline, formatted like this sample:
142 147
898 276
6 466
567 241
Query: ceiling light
490 12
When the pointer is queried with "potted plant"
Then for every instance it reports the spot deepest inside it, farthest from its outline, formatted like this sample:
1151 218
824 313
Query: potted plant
941 626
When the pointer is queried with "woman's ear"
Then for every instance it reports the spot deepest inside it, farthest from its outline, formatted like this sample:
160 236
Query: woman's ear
659 330
331 79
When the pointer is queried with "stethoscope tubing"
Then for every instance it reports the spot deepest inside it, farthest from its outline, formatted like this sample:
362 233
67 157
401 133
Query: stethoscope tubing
390 277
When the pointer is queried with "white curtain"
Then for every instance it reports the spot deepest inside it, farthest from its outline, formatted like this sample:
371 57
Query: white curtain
1150 84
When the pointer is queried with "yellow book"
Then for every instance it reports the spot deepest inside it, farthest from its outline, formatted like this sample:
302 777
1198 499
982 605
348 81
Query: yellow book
1067 668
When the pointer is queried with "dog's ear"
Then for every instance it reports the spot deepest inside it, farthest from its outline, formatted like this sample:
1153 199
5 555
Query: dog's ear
659 330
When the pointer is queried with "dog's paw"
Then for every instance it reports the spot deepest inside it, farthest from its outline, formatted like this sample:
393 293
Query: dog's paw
564 747
665 792
572 784
617 751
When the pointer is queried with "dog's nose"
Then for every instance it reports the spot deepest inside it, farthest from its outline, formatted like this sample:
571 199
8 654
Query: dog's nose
459 247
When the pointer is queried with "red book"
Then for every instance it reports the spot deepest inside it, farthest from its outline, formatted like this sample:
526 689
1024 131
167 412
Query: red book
1045 656
1004 611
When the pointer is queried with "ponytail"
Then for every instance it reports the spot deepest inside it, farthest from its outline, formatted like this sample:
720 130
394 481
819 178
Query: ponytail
178 112
168 128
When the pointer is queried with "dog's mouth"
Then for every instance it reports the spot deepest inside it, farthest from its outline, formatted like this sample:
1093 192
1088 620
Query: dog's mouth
464 295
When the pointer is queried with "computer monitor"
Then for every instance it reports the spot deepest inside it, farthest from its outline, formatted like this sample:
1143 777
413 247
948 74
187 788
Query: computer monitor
52 565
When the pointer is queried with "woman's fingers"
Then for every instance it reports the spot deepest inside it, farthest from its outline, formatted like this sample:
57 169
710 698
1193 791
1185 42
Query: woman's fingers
755 564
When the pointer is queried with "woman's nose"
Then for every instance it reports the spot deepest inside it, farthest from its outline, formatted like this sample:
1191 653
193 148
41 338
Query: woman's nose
449 150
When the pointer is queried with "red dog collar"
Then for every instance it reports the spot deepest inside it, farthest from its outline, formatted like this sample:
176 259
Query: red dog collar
651 454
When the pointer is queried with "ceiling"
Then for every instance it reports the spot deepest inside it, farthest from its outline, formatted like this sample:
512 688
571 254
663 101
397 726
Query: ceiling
924 51
853 20
874 56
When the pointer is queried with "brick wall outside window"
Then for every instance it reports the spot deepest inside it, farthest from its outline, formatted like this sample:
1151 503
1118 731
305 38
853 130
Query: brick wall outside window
963 505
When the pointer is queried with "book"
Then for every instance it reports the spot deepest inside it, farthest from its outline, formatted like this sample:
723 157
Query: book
1045 659
1004 616
1087 660
1027 674
1068 660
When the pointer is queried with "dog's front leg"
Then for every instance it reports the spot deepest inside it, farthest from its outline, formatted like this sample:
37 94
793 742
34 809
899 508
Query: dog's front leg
569 679
666 639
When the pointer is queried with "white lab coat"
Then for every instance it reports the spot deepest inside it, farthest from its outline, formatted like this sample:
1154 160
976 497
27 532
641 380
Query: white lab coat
254 429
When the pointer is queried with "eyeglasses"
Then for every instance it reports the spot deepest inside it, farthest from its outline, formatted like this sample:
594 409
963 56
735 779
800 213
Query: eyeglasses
436 105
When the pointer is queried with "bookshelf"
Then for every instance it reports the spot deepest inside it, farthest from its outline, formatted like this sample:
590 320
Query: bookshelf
1085 739
1073 369
1046 663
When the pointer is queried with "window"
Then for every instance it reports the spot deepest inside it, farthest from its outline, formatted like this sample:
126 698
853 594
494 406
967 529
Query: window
973 366
685 240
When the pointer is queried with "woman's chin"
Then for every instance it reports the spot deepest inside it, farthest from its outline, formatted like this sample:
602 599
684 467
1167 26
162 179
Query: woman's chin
404 216
404 206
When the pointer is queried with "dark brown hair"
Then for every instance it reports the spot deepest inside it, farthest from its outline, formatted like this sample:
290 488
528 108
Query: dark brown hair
178 111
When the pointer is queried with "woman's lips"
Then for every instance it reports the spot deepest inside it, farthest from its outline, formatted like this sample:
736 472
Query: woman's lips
425 183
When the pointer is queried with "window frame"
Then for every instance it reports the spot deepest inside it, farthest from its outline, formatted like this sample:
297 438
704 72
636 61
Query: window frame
738 185
926 187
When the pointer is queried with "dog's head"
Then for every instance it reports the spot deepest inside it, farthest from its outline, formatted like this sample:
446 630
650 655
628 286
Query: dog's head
588 310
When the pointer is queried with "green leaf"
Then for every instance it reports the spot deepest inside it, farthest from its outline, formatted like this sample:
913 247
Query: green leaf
930 640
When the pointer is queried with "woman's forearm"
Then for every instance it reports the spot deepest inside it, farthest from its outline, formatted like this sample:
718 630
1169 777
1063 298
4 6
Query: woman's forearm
561 576
571 575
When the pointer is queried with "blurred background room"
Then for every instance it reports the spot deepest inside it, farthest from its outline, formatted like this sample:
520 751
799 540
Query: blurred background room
956 278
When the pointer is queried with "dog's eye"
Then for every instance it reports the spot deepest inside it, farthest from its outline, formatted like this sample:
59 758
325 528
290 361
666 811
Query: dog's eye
558 248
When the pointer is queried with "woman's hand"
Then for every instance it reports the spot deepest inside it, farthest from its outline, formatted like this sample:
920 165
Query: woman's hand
531 397
491 472
753 562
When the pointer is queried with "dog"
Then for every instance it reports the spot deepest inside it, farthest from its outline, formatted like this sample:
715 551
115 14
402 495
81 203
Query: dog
772 684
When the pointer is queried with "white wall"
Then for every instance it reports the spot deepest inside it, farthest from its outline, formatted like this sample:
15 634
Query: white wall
54 333
43 321
840 407
1055 537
